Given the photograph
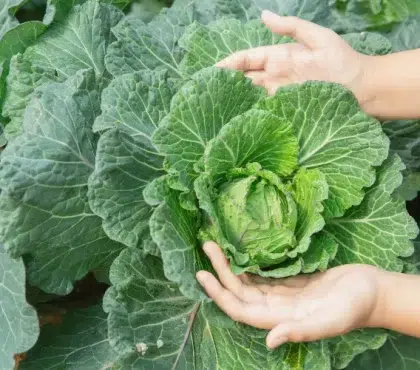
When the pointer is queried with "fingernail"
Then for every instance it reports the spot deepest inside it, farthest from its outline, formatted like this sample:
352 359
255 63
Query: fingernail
274 343
207 246
267 12
200 275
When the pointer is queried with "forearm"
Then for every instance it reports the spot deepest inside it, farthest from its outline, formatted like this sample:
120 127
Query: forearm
398 303
390 85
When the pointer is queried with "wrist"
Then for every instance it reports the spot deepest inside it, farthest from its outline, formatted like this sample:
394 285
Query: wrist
364 84
379 317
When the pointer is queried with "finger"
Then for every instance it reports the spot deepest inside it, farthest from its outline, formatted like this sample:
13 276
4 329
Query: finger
257 77
225 299
232 306
230 281
304 32
306 330
246 60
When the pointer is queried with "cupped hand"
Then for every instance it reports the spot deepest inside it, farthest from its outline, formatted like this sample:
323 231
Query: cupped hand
318 54
297 309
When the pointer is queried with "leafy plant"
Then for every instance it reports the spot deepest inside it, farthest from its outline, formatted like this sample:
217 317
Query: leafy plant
127 149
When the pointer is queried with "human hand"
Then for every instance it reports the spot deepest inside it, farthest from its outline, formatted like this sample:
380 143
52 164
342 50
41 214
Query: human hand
319 54
297 309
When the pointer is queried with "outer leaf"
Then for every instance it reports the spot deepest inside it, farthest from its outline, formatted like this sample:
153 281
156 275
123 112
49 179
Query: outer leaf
404 35
43 177
18 320
23 78
7 19
152 326
78 43
124 166
151 46
198 111
316 11
321 252
254 136
379 230
18 38
405 141
174 230
80 342
136 103
369 43
345 347
334 136
373 13
399 352
206 45
126 159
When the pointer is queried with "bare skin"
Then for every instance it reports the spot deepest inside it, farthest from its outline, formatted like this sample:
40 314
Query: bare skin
386 86
311 307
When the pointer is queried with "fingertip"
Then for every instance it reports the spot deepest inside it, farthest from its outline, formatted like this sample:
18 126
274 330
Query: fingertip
201 276
204 277
209 247
275 342
267 13
267 16
276 337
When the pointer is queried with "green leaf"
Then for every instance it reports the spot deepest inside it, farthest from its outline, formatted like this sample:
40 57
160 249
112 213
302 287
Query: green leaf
151 46
405 141
146 10
124 166
136 103
152 325
302 356
78 43
23 79
198 111
43 177
254 136
404 36
378 230
310 189
368 43
79 342
319 255
399 352
58 10
174 230
374 14
18 38
335 136
345 347
7 12
206 45
316 11
18 320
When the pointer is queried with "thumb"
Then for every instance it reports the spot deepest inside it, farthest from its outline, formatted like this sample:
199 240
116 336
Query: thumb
307 33
306 330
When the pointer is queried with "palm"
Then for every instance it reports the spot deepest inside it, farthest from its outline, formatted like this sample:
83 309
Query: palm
328 303
297 298
319 54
